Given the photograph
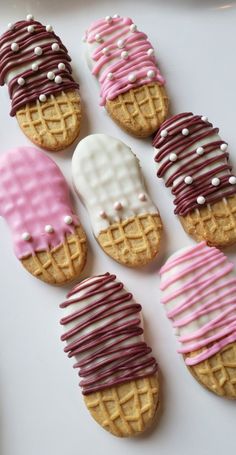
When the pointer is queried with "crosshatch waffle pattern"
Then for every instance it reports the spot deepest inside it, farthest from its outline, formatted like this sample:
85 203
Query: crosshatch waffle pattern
54 124
140 111
218 372
61 264
127 409
214 223
134 241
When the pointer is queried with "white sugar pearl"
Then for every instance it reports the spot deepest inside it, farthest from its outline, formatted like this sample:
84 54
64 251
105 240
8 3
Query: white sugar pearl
224 147
142 197
61 66
58 79
49 28
10 26
105 51
98 38
185 131
132 77
108 18
164 133
34 67
173 157
102 214
150 52
133 28
151 74
14 47
26 236
21 81
188 180
68 219
38 50
201 200
120 43
200 150
215 181
116 16
110 76
48 228
29 17
124 54
118 205
51 75
204 118
55 47
30 28
232 180
42 98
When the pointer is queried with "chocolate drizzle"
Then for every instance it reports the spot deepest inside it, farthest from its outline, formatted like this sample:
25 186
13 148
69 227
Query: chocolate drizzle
202 168
36 81
105 336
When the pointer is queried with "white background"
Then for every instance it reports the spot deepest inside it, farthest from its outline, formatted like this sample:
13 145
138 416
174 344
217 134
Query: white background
41 406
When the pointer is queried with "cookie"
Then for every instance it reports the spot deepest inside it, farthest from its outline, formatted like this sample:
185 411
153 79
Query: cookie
193 160
124 220
35 66
34 199
119 376
132 87
198 285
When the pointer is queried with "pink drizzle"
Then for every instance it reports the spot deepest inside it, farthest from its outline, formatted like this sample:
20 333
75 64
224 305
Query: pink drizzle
138 62
33 194
204 287
106 355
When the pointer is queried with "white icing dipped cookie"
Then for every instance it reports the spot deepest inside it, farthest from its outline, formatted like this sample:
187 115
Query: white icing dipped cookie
124 220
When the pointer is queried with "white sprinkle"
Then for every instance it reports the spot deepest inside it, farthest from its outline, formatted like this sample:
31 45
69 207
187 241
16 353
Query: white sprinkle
132 77
30 28
150 52
110 76
124 55
118 205
26 236
29 17
48 228
61 66
215 181
105 51
51 75
232 180
58 79
21 81
142 197
185 131
164 133
102 214
98 38
151 74
188 180
42 98
200 150
116 16
108 18
49 28
224 147
120 43
34 67
55 47
14 47
173 157
10 26
68 219
201 200
38 50
204 118
133 28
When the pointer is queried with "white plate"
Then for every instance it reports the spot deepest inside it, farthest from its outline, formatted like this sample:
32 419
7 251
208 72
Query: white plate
41 407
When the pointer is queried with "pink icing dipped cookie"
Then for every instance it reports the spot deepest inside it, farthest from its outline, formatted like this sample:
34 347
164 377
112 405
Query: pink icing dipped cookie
193 160
198 291
34 199
119 376
131 85
35 66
